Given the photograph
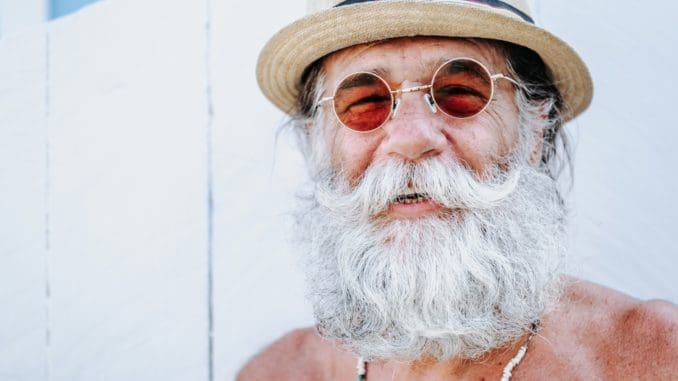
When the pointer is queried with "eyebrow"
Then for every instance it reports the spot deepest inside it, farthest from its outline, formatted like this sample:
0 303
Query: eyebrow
358 80
426 68
475 70
381 71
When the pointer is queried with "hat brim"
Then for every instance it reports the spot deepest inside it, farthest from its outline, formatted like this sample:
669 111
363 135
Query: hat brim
284 58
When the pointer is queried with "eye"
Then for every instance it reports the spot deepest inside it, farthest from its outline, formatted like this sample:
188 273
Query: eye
458 90
375 100
365 111
363 101
462 88
347 99
460 101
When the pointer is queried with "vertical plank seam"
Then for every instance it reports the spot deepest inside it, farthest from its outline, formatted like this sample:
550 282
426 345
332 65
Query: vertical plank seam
210 193
47 204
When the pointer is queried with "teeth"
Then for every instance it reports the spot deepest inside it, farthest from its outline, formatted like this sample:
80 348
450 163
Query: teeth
412 198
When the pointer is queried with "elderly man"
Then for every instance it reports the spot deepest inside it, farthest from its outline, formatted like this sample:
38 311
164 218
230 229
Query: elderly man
433 233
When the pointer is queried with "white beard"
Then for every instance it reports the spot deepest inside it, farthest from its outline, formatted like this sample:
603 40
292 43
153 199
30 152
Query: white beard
454 284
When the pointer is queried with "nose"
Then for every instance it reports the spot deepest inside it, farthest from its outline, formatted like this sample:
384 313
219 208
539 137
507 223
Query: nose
415 132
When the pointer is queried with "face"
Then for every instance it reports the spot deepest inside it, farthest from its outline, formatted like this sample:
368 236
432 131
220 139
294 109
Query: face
480 143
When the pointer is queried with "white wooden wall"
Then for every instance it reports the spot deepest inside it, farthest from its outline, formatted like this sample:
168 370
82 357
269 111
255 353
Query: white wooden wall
17 16
143 196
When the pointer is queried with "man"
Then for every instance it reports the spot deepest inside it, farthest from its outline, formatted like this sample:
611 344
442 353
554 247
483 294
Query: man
434 232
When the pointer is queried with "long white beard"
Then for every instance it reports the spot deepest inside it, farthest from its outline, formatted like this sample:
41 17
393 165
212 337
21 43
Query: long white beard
456 284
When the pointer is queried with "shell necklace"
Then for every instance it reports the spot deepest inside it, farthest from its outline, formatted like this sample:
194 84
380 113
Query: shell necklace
505 375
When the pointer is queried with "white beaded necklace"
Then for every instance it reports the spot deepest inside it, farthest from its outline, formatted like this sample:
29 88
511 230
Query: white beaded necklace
505 375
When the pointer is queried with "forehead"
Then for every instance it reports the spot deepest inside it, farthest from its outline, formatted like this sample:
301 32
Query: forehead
409 58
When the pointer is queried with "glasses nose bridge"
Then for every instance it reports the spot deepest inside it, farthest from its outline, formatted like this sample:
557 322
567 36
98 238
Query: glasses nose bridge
410 89
396 100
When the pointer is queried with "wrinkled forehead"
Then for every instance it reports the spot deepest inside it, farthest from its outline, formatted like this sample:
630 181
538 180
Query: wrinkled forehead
411 58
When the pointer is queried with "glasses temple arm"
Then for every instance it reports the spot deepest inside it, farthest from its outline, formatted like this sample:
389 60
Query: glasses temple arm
502 76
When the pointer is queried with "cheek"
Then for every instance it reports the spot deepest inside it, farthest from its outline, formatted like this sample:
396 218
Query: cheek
352 153
504 130
482 144
508 118
473 147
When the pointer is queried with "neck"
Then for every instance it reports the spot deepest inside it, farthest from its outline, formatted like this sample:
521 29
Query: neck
489 366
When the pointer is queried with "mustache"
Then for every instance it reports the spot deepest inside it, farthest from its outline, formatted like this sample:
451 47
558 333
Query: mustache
445 181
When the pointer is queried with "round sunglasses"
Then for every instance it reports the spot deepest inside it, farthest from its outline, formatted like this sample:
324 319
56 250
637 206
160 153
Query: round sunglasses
461 88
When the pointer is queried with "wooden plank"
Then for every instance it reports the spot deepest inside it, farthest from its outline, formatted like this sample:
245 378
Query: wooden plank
23 212
624 184
258 287
128 117
17 17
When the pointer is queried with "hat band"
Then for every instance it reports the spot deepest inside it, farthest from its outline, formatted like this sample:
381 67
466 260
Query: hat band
492 3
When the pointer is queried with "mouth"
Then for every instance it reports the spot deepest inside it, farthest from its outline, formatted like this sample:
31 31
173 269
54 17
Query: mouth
411 198
413 205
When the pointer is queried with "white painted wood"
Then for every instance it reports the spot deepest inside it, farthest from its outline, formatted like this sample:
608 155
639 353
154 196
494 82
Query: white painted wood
624 197
128 192
23 211
17 16
258 287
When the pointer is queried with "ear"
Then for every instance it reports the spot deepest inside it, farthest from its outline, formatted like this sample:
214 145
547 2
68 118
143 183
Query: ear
309 124
537 151
537 147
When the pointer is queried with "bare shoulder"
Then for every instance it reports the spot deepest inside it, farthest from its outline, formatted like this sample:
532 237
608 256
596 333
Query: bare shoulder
629 338
299 355
648 339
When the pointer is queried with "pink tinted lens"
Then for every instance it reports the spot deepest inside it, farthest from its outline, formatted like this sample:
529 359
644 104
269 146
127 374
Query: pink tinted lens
462 88
363 102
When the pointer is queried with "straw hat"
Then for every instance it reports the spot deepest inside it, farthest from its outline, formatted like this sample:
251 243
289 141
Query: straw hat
333 25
